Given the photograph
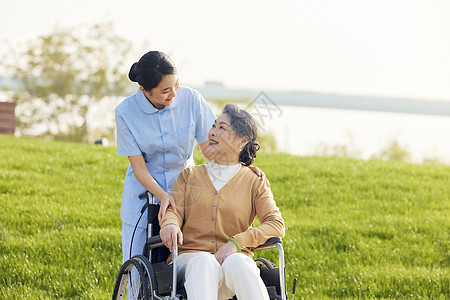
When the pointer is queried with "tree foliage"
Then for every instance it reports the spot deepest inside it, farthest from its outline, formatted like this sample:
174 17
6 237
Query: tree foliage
394 151
62 74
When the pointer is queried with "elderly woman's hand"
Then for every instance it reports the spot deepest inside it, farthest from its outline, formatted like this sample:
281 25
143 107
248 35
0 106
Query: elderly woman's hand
171 235
225 251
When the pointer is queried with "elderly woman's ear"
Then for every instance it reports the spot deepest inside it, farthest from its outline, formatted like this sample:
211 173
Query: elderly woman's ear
244 141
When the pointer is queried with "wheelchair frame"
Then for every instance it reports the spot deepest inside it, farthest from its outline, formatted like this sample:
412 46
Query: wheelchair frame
145 266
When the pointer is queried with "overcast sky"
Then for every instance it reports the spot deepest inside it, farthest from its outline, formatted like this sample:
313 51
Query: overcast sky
387 48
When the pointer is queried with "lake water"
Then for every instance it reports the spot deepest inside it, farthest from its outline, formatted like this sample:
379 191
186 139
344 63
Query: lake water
364 134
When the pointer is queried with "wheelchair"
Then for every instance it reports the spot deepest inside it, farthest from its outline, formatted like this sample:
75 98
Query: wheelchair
148 277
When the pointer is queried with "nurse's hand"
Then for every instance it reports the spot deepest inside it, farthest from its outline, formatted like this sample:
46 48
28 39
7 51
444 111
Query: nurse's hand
225 251
171 235
166 201
260 174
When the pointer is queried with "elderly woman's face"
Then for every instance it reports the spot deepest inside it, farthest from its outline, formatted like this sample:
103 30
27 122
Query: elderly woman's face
223 140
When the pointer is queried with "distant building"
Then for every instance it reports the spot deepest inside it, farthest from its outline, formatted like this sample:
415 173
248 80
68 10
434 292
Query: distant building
214 84
7 117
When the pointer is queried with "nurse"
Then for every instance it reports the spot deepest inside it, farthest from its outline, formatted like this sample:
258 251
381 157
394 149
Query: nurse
156 129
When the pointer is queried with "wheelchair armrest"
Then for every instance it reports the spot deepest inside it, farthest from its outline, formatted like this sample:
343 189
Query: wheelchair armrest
154 242
270 243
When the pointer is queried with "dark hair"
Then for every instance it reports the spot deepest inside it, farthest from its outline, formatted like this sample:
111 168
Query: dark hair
244 125
151 68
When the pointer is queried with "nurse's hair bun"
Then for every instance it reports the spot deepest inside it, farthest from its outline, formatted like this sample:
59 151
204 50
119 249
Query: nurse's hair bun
151 68
133 72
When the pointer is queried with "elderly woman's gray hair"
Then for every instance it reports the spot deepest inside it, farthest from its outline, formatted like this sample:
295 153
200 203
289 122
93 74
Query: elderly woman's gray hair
244 125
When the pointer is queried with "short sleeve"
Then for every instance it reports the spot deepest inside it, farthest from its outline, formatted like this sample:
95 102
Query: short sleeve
205 119
126 143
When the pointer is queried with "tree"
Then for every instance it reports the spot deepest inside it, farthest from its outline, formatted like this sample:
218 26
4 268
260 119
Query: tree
62 74
393 151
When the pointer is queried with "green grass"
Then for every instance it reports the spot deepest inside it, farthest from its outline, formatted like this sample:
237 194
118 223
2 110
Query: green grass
354 229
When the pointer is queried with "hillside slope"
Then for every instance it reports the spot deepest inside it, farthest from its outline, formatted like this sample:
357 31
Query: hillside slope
355 229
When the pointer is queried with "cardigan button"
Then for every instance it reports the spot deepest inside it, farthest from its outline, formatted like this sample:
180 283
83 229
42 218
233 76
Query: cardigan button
214 204
215 193
212 219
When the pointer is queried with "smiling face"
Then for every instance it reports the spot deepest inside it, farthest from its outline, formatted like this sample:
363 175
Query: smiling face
224 143
163 94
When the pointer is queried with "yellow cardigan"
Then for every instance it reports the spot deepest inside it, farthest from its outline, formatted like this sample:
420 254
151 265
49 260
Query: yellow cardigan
209 218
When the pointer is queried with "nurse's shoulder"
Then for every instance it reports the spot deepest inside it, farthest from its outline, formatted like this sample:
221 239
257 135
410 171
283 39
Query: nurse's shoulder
189 95
126 104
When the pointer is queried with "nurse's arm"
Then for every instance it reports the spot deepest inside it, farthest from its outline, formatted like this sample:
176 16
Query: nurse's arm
146 179
204 150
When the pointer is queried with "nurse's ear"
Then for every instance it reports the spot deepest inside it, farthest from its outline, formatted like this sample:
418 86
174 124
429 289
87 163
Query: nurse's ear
145 92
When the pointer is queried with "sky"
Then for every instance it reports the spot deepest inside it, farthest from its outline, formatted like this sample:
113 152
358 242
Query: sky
377 48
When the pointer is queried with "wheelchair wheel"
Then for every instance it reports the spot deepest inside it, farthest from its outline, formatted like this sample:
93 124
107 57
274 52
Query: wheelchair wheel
132 282
149 274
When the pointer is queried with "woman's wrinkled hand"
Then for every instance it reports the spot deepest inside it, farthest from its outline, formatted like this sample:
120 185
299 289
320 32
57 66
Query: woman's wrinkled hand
166 201
260 174
171 236
225 251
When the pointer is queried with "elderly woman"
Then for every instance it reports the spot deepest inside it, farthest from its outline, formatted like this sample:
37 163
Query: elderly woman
216 206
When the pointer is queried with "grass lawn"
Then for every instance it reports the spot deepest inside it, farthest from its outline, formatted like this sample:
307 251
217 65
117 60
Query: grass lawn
355 229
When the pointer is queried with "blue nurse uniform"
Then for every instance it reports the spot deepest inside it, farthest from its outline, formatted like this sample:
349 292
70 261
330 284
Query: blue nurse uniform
165 139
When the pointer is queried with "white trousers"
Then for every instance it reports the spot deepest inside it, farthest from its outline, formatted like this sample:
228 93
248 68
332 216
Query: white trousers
205 278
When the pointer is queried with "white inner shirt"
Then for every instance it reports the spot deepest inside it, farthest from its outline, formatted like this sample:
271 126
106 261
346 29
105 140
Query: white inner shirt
223 172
